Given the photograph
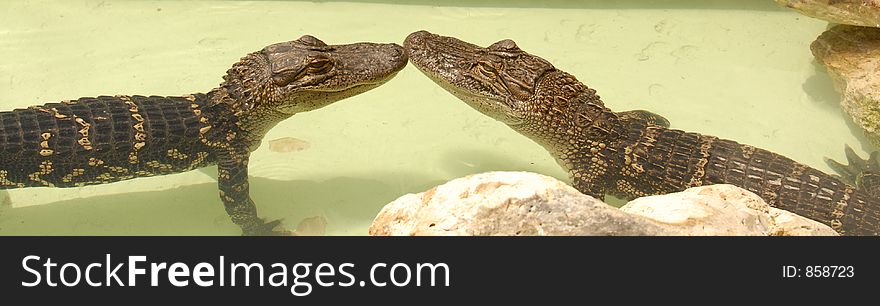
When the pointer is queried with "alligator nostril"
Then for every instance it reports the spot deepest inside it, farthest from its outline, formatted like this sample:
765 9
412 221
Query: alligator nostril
415 38
396 53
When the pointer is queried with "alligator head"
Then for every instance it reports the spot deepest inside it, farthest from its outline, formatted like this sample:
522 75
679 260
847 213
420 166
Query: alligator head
496 81
305 74
506 83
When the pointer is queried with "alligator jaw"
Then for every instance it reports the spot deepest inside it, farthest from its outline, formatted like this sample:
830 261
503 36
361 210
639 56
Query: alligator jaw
292 77
494 80
307 74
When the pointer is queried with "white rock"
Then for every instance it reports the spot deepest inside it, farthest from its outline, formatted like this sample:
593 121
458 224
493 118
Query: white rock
724 210
510 204
711 210
521 203
786 223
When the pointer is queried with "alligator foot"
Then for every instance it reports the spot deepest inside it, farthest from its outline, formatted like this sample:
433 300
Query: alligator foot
855 165
271 228
862 173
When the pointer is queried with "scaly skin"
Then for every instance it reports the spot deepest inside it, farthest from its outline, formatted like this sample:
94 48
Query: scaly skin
107 139
628 154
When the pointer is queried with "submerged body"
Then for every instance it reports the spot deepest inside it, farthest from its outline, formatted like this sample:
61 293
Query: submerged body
106 139
101 140
627 154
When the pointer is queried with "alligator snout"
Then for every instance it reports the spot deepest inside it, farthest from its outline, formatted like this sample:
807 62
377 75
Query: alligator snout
416 39
397 56
417 43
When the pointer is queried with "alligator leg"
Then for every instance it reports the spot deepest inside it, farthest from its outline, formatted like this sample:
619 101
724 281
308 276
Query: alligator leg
232 179
649 118
862 173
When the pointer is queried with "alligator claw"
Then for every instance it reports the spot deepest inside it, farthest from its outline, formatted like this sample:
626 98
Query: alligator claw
856 167
271 228
843 171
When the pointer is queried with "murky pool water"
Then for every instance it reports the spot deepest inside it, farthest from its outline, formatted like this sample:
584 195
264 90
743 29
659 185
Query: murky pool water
735 69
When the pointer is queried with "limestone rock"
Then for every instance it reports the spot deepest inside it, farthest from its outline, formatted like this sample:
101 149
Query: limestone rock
853 12
710 210
786 223
509 204
521 203
724 210
852 56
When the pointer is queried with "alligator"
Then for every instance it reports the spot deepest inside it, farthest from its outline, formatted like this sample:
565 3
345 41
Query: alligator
630 154
105 139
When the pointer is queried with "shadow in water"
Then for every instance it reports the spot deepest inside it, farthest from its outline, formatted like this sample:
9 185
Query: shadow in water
820 88
465 162
864 144
348 203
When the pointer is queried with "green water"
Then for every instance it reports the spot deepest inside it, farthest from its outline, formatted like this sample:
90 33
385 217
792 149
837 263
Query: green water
734 69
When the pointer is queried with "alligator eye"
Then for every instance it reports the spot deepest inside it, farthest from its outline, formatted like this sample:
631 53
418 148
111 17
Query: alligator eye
319 66
311 41
285 77
504 45
485 67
